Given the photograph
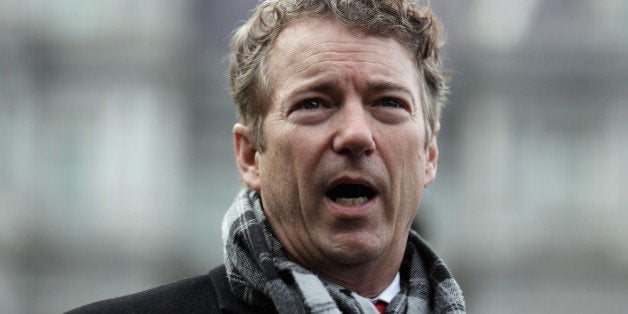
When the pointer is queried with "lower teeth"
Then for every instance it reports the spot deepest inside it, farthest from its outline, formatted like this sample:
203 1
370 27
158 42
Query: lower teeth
352 202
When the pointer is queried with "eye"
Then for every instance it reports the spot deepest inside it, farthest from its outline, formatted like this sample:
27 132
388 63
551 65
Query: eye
391 103
310 111
310 104
391 110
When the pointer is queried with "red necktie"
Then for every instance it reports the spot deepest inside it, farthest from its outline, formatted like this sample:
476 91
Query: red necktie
381 306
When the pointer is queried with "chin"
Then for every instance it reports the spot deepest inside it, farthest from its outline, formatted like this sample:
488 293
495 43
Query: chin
354 249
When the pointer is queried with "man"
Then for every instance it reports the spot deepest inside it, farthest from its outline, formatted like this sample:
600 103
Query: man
339 104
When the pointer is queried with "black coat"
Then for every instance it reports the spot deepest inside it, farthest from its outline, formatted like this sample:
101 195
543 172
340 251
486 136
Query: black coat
208 293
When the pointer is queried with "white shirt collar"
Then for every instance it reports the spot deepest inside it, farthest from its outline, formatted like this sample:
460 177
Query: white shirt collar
389 293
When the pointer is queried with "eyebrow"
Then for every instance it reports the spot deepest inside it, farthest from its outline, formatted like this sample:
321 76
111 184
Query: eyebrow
318 86
377 86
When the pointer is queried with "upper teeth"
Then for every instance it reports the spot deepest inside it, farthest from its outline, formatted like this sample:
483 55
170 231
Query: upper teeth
351 202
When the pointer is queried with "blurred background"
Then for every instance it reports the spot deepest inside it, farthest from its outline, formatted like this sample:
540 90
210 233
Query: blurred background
116 159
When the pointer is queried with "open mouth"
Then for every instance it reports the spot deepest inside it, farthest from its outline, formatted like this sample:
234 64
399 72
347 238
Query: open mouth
350 195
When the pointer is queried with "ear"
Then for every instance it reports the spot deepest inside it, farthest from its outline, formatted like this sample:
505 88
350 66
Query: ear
431 156
245 154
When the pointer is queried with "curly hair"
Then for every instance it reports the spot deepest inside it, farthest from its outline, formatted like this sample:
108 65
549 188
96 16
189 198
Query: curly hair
413 25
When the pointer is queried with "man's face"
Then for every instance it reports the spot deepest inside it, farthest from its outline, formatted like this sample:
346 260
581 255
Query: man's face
345 159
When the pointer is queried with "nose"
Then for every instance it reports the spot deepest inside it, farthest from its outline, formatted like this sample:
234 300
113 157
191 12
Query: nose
353 135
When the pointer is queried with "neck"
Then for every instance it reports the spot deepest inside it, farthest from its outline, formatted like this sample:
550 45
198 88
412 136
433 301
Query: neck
366 279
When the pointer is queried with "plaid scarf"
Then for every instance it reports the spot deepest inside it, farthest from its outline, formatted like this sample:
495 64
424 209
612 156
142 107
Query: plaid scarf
259 272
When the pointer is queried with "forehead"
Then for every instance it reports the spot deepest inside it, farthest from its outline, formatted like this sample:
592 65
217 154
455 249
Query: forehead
320 34
311 46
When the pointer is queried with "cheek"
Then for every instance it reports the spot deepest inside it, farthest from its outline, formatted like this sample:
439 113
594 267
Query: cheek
405 149
306 148
282 163
407 167
277 185
414 170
